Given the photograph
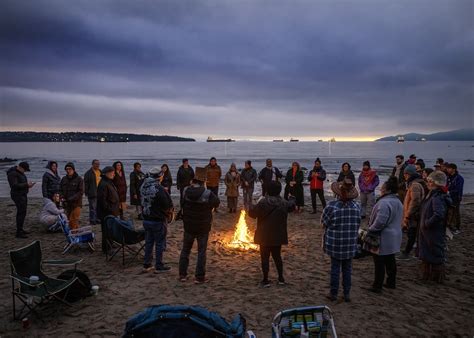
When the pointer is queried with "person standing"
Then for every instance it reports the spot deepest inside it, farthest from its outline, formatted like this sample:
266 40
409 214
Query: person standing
72 189
156 205
167 181
294 185
198 203
432 236
268 175
411 159
398 172
420 165
416 192
121 184
368 181
92 179
346 172
183 178
455 189
214 174
385 221
248 177
341 220
271 213
108 200
51 181
136 180
19 188
316 177
232 182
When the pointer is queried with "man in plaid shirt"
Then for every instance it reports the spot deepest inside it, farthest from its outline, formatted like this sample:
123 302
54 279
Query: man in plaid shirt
341 221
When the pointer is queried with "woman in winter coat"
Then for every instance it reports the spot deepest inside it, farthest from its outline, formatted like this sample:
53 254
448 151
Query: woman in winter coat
431 236
51 180
136 180
120 183
52 212
294 185
385 220
346 172
232 183
167 182
368 181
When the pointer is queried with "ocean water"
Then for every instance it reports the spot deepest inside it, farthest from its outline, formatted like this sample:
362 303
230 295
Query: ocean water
150 154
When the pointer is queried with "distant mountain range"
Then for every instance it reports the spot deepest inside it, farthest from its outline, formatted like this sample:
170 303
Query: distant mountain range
30 136
453 135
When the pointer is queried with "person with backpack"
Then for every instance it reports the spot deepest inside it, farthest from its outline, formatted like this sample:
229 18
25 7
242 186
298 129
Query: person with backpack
271 213
198 204
156 204
316 177
415 193
92 179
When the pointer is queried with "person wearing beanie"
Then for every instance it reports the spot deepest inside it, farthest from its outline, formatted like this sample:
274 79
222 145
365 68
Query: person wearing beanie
108 200
19 188
316 177
72 189
271 234
51 181
415 193
455 188
368 181
432 234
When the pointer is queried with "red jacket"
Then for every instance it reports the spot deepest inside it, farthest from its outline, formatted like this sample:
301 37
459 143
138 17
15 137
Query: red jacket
317 182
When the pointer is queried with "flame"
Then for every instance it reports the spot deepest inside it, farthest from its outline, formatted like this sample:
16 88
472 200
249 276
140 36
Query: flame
242 238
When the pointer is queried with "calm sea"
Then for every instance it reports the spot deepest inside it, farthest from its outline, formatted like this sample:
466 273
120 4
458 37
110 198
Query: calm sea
150 154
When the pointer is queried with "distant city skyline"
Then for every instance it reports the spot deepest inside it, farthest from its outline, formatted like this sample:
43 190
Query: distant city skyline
254 70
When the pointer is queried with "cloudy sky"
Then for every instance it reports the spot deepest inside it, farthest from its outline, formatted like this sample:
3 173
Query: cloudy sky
242 69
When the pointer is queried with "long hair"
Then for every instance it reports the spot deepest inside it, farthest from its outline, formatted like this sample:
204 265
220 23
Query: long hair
115 167
167 173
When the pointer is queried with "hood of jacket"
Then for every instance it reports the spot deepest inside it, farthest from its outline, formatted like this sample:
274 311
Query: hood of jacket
193 193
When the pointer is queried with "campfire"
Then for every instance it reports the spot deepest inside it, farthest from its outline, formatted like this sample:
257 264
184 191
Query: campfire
242 239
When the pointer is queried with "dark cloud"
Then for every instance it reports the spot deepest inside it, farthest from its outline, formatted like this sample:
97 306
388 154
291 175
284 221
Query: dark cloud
244 68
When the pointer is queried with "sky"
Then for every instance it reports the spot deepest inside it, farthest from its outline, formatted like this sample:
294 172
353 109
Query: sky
354 70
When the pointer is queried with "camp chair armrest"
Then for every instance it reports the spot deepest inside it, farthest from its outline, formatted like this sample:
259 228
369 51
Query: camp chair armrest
81 230
25 281
60 262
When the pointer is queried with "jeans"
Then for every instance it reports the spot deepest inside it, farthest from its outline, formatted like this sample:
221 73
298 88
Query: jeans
21 203
412 234
93 210
155 235
367 201
248 194
382 264
188 241
336 266
275 251
320 193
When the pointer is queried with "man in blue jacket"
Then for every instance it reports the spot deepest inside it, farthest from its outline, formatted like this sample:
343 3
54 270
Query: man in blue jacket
455 189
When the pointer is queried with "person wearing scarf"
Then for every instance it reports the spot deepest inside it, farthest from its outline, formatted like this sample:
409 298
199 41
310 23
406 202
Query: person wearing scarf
368 181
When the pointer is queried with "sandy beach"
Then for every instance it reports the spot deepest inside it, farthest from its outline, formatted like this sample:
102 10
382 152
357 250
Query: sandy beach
413 309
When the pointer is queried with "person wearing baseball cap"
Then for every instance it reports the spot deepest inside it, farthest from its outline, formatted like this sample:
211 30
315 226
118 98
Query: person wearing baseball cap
19 188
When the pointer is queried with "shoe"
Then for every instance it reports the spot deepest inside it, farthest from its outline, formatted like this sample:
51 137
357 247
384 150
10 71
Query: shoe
201 280
162 269
265 284
183 278
456 232
21 235
387 286
331 297
403 257
347 299
281 282
374 290
147 269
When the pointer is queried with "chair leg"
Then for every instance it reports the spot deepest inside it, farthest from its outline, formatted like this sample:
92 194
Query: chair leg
91 246
66 249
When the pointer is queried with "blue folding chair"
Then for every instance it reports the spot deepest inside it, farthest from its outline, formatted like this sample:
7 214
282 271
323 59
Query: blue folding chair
76 237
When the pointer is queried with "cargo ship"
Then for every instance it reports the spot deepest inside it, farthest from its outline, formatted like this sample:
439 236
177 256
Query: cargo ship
400 139
278 141
210 139
294 140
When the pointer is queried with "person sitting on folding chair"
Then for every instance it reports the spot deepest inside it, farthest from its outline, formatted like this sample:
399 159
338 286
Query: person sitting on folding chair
52 212
156 204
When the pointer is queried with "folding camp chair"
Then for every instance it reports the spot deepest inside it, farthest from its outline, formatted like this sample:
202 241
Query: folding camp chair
121 234
313 321
27 262
76 237
182 321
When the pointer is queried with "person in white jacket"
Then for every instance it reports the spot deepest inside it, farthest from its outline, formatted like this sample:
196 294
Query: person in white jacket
52 213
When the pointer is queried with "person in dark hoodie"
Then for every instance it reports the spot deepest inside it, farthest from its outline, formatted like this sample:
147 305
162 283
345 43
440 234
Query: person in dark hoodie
108 200
91 181
156 204
346 172
136 180
268 175
316 177
121 183
183 178
271 213
198 203
19 188
248 176
72 189
51 181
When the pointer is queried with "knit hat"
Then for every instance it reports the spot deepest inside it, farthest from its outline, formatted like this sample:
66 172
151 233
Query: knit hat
410 170
25 166
438 177
156 172
70 165
107 169
200 174
366 163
